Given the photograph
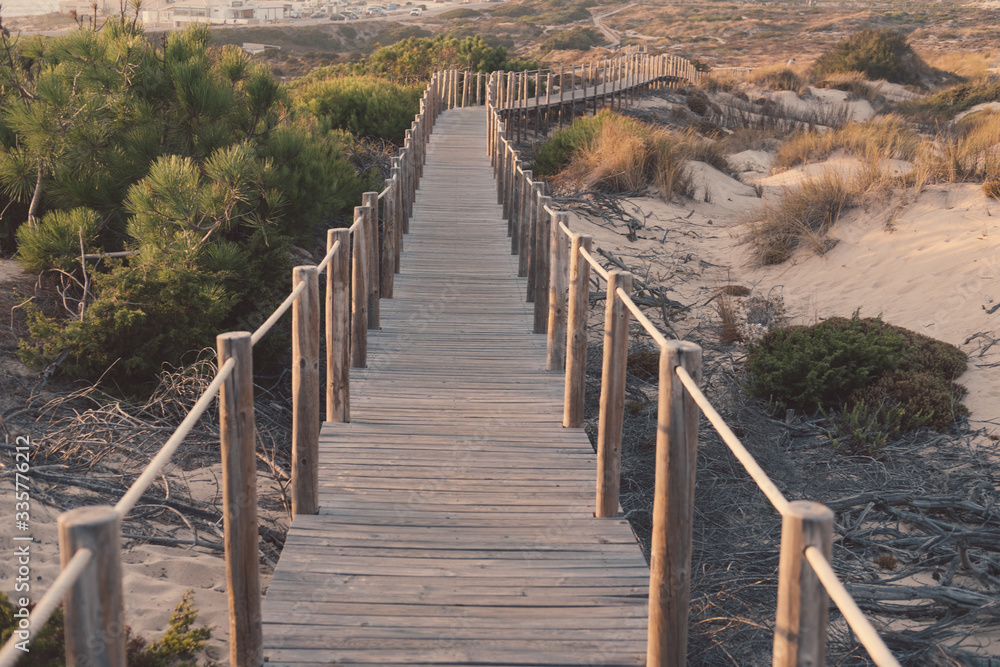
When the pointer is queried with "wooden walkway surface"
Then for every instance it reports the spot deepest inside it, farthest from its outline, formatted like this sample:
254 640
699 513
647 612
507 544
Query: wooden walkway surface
456 521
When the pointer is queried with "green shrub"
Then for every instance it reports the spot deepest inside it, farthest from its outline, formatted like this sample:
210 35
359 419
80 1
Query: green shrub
871 379
141 318
560 16
923 398
460 13
364 106
53 242
811 367
577 38
512 10
866 427
398 33
878 54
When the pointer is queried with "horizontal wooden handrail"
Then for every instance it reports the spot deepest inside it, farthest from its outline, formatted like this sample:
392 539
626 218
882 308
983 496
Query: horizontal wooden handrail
276 315
646 323
601 271
750 464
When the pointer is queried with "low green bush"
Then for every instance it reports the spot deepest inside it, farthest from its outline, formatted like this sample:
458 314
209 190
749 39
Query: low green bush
820 366
363 105
878 54
560 16
577 38
871 379
460 13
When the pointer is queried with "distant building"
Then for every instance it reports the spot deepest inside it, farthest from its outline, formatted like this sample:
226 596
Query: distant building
86 7
179 13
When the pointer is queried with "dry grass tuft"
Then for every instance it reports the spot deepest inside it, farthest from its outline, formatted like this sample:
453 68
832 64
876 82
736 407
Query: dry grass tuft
778 78
884 137
624 155
992 189
802 214
968 64
729 332
617 160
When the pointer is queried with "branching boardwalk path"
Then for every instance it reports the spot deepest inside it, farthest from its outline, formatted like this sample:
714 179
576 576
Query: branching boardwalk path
456 521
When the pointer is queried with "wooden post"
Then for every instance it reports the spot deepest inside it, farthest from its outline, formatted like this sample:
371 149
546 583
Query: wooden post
397 228
305 392
239 499
94 624
548 95
542 264
479 89
800 626
562 84
513 199
387 262
338 328
524 221
555 358
370 202
612 410
576 336
531 237
359 293
501 152
673 508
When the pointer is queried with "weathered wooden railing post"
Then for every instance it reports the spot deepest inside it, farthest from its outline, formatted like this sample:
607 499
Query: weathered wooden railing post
389 240
673 508
305 392
359 292
612 410
543 235
514 183
369 201
555 357
562 85
531 236
526 191
338 327
576 335
800 626
239 499
94 624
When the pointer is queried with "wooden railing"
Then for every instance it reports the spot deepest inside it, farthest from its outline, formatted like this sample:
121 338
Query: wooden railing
360 263
557 263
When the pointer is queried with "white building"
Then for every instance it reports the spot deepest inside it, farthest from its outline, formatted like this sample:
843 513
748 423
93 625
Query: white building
179 13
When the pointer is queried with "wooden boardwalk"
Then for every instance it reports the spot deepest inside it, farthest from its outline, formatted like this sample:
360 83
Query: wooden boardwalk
456 521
